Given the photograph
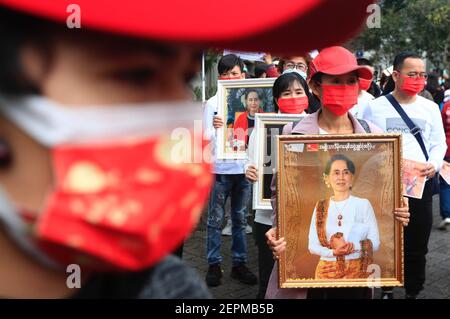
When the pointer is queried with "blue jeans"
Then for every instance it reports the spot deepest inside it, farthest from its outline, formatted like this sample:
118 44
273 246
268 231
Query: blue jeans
444 196
238 188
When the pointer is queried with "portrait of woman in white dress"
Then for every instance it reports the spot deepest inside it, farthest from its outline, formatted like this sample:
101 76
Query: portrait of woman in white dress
343 230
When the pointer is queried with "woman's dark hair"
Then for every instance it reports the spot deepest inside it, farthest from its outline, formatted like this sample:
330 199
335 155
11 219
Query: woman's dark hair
17 30
283 82
229 61
248 91
340 157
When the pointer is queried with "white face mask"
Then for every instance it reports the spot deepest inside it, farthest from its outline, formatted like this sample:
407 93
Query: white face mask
301 73
52 124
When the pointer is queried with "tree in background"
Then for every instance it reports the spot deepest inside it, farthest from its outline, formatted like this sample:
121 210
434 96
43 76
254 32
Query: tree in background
416 25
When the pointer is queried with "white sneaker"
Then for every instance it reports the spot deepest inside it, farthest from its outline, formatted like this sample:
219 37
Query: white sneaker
248 229
226 231
444 223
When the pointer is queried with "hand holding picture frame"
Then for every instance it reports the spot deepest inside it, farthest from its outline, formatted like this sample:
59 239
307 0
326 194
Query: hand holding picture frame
336 196
413 182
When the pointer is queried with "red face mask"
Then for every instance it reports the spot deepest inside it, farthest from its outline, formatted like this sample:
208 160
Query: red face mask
293 105
339 98
364 84
122 206
412 86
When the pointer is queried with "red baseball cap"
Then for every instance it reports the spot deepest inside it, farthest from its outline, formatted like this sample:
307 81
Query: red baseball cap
292 27
335 61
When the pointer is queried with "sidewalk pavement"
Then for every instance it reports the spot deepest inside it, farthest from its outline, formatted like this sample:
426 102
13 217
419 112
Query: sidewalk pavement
437 285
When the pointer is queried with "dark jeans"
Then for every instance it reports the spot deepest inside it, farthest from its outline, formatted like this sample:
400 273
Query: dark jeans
265 258
238 188
417 234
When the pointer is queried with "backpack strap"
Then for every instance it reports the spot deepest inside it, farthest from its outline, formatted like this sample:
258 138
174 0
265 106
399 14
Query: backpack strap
294 124
413 128
365 125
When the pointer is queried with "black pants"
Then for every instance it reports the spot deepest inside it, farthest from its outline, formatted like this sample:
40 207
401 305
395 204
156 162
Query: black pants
417 234
265 257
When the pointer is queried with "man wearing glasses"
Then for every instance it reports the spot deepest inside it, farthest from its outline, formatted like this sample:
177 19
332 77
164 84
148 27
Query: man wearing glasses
297 64
423 141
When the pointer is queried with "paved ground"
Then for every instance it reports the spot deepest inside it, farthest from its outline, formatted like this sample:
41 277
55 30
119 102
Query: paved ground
438 266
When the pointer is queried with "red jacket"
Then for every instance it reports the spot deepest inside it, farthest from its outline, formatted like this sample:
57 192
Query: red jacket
446 120
241 127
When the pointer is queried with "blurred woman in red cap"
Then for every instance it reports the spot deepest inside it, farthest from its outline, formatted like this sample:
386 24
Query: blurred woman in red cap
89 172
333 78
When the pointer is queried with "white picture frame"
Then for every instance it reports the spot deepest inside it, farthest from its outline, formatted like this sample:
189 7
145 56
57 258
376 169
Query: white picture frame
232 91
265 162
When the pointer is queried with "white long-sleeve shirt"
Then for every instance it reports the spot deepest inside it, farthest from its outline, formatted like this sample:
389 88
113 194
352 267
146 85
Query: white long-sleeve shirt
425 114
358 223
209 132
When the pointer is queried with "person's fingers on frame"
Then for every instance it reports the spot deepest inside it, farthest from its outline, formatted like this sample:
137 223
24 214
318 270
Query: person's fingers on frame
279 249
279 241
404 221
404 214
270 232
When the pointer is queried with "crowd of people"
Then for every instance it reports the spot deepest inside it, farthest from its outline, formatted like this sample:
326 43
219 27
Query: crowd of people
90 96
339 95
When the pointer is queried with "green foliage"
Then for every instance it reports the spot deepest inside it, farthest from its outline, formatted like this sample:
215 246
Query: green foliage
414 25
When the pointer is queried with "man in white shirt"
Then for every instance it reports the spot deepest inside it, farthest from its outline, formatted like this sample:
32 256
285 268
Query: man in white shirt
409 76
230 182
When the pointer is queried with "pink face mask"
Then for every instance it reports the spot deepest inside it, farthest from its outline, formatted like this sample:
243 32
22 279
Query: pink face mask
339 98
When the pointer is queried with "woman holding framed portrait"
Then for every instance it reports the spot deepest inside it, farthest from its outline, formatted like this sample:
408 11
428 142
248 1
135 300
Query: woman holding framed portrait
290 96
334 80
343 231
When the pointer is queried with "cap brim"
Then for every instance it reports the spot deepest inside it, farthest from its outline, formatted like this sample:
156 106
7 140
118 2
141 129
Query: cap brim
363 71
294 27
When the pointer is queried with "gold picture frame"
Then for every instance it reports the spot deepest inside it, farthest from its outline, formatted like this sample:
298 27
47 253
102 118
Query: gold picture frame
307 212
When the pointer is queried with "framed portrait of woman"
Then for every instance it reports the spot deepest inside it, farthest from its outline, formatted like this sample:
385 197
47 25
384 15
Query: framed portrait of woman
239 102
336 196
267 127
